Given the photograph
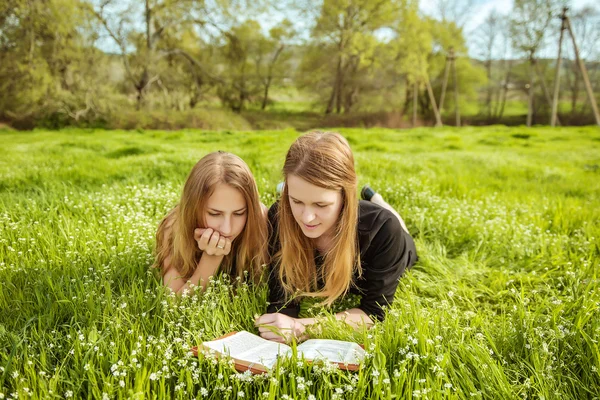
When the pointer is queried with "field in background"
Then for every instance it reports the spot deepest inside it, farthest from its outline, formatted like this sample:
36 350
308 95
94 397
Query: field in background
504 302
292 109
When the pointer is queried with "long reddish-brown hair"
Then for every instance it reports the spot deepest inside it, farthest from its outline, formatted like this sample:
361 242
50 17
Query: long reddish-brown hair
175 236
323 159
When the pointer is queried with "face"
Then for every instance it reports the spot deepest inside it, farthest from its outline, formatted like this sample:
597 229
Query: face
226 211
315 209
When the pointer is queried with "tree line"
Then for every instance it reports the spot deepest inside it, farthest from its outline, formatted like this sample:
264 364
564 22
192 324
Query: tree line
78 61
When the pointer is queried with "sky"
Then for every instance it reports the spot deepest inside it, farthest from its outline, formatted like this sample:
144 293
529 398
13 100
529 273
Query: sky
472 18
476 15
482 8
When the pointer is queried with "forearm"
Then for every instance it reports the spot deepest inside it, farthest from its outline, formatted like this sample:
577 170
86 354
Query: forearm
355 317
282 328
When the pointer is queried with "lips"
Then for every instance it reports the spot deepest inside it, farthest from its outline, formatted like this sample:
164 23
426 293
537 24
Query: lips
311 226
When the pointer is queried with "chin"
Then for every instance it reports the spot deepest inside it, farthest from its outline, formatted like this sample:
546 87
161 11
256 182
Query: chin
312 234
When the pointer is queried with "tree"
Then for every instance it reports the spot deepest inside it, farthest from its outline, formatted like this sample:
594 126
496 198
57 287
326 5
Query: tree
488 36
272 59
414 45
251 61
186 84
211 38
239 82
344 30
137 47
457 11
528 25
45 54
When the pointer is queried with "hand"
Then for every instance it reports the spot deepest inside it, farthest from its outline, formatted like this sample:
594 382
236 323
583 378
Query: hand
211 242
279 327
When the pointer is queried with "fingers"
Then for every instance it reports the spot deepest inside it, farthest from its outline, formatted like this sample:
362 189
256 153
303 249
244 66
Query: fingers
270 328
204 239
265 319
273 337
212 243
198 233
227 248
211 246
214 239
221 243
276 327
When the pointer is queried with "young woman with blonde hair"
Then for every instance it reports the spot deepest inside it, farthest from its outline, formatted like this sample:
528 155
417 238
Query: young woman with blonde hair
218 225
324 243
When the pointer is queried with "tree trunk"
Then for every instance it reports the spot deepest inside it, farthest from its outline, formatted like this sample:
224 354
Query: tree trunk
554 116
331 101
445 82
415 98
335 89
575 91
266 94
146 73
270 75
139 98
530 92
544 87
407 96
436 112
488 100
505 90
456 105
340 91
242 89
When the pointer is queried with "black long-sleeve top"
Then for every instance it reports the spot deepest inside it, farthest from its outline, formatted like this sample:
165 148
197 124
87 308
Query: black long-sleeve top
386 251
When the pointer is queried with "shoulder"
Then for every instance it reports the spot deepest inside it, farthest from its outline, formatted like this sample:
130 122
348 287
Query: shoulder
264 209
164 240
273 226
273 213
166 226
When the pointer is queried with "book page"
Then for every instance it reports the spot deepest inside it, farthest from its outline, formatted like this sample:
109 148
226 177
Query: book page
249 347
336 351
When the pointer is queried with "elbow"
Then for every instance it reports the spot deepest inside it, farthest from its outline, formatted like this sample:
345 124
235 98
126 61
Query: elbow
175 288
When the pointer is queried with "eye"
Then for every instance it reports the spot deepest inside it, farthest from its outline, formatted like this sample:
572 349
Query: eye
296 202
213 214
240 214
321 205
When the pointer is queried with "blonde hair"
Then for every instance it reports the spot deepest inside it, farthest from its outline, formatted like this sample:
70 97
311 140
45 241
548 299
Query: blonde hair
323 159
175 236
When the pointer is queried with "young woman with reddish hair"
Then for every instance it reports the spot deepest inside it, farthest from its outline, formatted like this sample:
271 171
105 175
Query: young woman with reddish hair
324 243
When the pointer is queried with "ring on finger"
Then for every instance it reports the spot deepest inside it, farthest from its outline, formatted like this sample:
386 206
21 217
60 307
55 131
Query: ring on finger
221 244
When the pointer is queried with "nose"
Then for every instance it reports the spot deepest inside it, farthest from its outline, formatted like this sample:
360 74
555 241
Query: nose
308 215
226 226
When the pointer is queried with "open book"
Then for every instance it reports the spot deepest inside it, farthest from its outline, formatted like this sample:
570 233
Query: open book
258 355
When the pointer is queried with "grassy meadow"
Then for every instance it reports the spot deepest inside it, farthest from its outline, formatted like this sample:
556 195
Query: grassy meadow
503 304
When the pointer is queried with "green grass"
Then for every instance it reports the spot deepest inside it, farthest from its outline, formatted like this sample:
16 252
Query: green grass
503 304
